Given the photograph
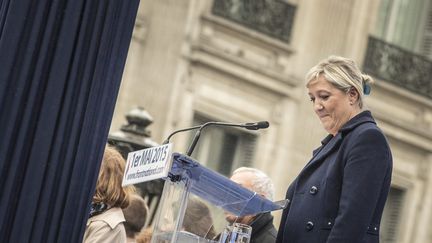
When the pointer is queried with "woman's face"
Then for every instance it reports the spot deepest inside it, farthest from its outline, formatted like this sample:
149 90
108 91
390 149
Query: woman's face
333 107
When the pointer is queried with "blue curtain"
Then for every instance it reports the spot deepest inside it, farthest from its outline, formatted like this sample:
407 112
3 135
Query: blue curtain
61 63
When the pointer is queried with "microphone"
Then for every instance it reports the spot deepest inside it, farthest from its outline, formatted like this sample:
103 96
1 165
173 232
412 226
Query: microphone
257 125
249 126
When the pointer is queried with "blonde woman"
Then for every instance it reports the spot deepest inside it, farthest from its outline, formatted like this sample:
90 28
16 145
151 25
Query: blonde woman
105 223
340 194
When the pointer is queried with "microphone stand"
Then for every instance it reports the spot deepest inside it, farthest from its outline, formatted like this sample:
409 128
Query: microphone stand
194 143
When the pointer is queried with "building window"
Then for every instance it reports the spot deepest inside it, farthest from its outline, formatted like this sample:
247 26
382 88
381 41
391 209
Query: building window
400 50
407 24
426 45
392 215
271 17
224 149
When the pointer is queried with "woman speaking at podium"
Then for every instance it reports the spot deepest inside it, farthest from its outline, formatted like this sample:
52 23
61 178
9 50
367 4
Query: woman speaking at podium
339 195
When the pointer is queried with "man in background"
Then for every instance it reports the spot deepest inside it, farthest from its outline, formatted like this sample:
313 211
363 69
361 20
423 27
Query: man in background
135 215
263 230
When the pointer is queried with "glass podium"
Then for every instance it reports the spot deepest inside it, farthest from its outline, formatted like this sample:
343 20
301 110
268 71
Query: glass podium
195 200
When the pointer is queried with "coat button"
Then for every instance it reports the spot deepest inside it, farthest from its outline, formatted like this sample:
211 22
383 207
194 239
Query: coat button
313 190
309 226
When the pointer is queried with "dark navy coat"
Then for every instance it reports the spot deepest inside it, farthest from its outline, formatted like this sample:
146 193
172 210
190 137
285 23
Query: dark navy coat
263 230
339 196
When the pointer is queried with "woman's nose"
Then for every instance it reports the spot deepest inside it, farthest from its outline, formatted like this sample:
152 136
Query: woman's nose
318 106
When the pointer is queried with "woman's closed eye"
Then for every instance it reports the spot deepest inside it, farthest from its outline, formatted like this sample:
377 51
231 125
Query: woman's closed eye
324 97
321 97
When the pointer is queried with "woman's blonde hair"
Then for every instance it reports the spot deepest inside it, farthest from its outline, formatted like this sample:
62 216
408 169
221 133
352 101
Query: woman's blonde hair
343 73
109 188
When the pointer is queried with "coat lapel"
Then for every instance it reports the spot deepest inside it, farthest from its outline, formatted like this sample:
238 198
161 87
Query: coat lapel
330 143
323 151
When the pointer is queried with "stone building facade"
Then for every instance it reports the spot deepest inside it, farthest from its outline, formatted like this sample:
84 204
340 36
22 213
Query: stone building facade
192 61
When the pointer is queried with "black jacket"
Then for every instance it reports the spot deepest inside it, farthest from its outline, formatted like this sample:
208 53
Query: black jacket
263 230
339 196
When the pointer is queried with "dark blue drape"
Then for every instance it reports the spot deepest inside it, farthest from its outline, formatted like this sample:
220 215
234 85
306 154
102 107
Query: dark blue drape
61 63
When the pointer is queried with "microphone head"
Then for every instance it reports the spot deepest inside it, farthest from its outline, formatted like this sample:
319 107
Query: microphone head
263 124
257 125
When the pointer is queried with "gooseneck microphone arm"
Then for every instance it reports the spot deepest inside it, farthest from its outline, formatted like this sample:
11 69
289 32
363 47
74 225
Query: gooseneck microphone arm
194 142
180 130
249 126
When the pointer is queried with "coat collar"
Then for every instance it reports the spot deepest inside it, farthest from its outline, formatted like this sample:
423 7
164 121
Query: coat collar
362 117
262 221
112 217
331 142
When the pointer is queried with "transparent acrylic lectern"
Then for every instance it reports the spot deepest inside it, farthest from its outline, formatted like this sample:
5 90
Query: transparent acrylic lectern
189 182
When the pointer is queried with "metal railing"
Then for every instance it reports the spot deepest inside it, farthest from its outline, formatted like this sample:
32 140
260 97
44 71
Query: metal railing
398 66
274 18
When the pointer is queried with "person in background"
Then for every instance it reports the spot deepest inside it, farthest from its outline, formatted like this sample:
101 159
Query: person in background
144 236
198 219
263 230
135 215
105 223
339 195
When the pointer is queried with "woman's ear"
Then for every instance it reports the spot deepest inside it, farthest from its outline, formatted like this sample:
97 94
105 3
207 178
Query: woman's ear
353 95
